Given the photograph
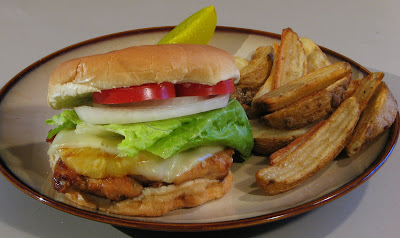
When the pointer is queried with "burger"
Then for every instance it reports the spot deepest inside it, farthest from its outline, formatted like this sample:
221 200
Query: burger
146 129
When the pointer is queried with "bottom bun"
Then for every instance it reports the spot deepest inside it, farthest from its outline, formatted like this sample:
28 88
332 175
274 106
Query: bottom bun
159 201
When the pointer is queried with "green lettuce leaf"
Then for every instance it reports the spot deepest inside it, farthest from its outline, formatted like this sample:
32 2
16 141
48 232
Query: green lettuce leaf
141 136
227 126
66 120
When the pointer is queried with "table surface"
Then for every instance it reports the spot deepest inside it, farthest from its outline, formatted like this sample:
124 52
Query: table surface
365 31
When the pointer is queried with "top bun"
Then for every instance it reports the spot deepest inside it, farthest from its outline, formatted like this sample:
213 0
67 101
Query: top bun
72 82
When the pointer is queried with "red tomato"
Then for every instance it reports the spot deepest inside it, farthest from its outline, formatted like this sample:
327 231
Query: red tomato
160 91
135 93
196 89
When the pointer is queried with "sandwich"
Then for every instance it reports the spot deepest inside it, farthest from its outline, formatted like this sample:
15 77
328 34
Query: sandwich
147 129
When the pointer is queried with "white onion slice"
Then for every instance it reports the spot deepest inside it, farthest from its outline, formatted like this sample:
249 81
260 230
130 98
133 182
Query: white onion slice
150 111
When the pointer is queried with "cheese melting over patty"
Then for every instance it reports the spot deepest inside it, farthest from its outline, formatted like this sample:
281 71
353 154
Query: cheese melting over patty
95 156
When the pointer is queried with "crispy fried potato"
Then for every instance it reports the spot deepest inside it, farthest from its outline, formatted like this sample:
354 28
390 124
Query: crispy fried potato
269 83
279 155
354 84
366 88
310 109
258 69
299 88
250 115
322 146
316 59
291 60
267 140
379 115
253 76
241 62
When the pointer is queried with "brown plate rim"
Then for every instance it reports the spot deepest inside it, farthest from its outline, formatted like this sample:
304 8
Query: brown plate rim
210 226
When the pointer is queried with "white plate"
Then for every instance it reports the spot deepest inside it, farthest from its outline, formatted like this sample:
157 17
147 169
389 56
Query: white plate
24 161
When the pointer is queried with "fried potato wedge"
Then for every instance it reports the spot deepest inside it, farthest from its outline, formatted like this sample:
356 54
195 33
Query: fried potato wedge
241 62
379 115
267 140
365 88
279 155
256 72
291 60
316 59
310 109
253 75
269 83
354 84
299 88
322 146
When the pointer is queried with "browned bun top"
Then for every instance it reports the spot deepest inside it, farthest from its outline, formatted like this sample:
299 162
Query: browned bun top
73 81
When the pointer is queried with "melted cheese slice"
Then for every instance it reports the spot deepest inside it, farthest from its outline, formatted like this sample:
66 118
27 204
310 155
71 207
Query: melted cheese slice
95 156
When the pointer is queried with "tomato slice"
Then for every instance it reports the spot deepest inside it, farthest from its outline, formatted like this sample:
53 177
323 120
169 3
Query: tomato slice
196 89
160 91
135 93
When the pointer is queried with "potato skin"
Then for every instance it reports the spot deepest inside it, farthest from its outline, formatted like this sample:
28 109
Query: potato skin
253 75
268 145
310 109
379 114
306 158
267 140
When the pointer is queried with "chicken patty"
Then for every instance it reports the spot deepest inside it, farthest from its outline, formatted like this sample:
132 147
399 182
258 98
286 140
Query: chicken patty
119 188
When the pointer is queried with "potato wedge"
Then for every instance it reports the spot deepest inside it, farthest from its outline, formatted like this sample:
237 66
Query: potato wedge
241 62
310 109
299 88
322 146
366 88
253 75
354 84
269 83
256 72
267 140
291 60
316 59
279 155
379 115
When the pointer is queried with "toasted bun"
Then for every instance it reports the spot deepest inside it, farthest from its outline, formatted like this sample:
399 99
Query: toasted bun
73 81
159 201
